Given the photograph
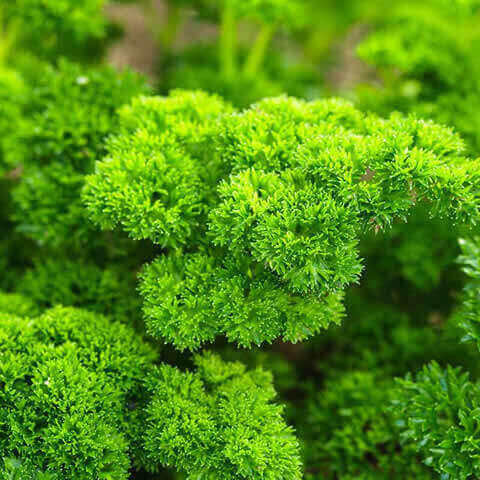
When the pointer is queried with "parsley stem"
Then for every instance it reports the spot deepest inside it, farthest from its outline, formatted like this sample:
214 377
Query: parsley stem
228 40
257 53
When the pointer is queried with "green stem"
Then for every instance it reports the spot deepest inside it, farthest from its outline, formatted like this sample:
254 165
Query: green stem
170 30
8 37
257 53
228 41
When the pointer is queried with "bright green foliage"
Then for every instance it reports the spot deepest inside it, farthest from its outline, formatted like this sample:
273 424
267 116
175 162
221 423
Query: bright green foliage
190 299
302 182
378 168
297 230
439 412
52 28
17 305
351 433
72 111
69 379
79 283
12 469
426 53
152 183
219 422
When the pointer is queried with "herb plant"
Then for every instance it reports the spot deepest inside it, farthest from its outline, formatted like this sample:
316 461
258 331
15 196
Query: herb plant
219 273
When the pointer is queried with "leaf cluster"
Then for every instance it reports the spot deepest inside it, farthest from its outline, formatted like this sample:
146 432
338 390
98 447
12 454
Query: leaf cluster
301 182
439 414
351 432
71 111
153 183
68 380
219 422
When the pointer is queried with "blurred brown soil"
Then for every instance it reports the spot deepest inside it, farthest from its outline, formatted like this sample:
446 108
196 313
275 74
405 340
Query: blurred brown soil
348 70
137 47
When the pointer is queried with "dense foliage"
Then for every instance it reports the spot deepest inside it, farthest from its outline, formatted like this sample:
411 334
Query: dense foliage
281 239
67 379
69 114
196 423
222 272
